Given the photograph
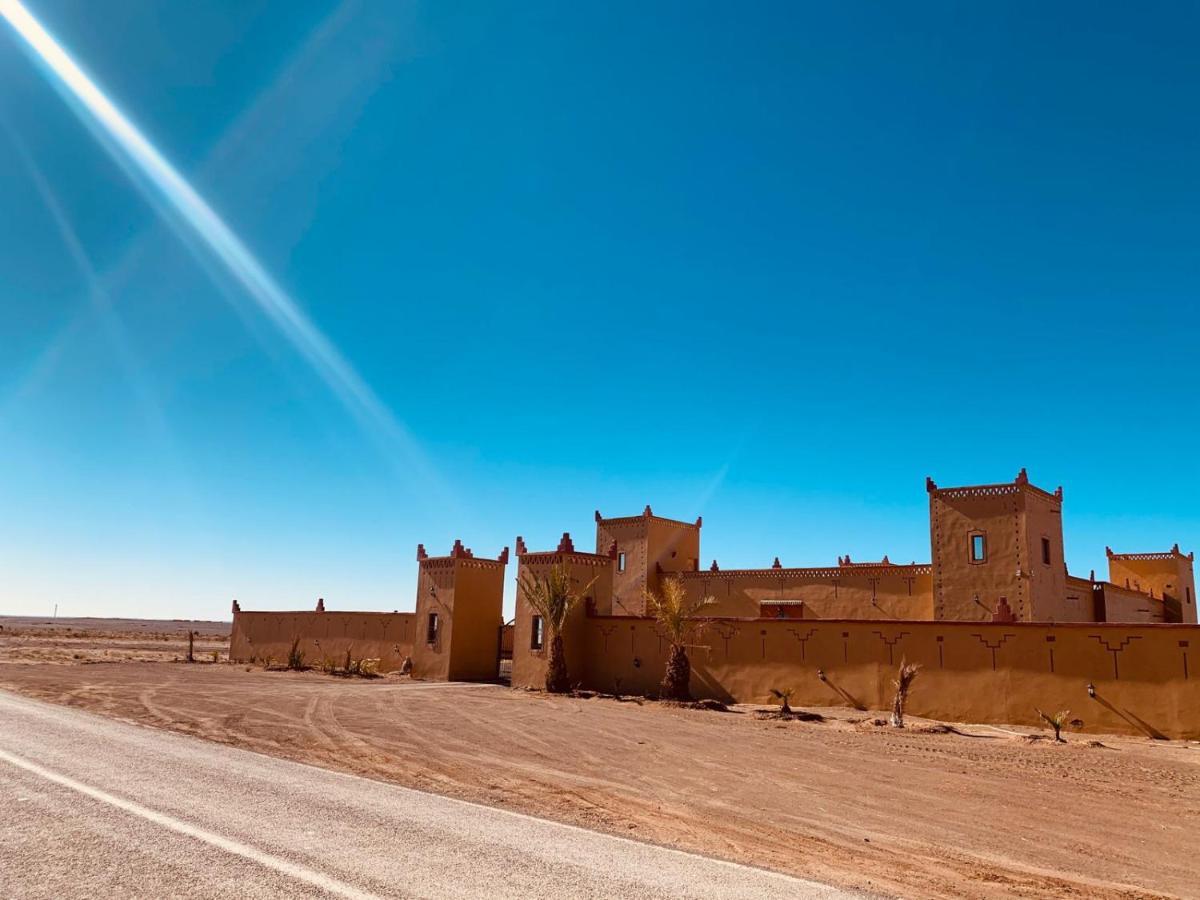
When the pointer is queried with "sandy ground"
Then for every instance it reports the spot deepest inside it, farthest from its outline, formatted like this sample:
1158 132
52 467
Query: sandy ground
34 639
980 813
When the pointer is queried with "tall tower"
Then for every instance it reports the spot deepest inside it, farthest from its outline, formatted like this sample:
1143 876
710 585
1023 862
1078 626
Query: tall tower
997 550
647 547
1168 576
460 601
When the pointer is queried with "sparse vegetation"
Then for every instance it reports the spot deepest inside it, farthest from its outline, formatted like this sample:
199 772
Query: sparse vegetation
295 658
216 656
1057 721
905 676
676 618
552 597
783 696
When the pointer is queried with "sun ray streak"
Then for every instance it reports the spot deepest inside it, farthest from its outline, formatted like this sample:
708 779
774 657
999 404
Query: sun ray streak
349 387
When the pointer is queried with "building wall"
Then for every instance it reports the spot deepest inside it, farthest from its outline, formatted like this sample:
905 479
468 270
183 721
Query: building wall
467 594
1045 581
478 616
846 592
1013 518
529 666
652 546
1125 605
1169 576
262 636
1147 678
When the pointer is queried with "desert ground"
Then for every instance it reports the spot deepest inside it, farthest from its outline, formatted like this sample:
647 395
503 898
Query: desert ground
968 811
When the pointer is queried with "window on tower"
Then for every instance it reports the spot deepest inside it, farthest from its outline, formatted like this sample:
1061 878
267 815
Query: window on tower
978 547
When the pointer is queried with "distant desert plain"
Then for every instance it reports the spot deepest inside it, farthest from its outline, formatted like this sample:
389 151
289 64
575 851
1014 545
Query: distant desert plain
933 810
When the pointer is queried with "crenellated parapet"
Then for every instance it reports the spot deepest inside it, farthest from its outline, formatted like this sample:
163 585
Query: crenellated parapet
857 570
459 554
1016 486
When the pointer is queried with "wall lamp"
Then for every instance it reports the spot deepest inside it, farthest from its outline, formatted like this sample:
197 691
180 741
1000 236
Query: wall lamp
821 675
1091 689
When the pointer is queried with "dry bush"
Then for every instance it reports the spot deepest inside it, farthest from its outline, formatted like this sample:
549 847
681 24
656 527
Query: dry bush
905 676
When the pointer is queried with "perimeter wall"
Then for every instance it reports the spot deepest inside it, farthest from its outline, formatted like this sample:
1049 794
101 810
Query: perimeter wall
259 636
1146 678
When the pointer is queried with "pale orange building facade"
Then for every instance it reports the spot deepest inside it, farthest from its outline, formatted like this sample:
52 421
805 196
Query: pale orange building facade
996 555
994 617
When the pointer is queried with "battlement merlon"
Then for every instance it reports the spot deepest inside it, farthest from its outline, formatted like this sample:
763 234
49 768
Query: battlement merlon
458 551
648 513
1017 485
1173 553
564 552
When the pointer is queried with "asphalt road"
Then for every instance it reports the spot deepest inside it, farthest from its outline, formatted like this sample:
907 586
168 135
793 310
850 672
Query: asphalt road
91 807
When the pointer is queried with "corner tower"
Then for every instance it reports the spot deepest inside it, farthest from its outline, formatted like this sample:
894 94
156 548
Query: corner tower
459 614
1168 576
997 552
646 548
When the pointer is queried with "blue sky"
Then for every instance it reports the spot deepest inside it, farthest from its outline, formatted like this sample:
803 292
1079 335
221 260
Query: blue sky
769 264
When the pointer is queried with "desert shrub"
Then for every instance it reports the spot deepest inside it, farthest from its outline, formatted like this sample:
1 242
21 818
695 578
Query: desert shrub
216 656
295 659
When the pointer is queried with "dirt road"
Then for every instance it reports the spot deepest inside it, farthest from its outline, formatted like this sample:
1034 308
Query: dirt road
148 813
984 814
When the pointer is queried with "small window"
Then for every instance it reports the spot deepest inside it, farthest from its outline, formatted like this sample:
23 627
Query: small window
536 634
978 548
621 561
1046 550
431 630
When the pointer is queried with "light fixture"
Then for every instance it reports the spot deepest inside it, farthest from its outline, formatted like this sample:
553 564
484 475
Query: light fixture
1091 689
821 674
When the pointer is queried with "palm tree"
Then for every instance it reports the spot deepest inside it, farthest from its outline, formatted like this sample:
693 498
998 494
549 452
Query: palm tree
903 682
1056 721
552 597
676 617
783 696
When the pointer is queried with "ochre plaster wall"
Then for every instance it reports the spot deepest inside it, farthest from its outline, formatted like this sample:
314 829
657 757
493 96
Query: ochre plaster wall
529 666
998 512
1147 678
1166 575
856 591
258 636
653 546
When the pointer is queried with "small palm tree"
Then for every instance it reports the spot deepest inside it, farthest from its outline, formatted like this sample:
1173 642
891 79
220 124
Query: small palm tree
903 682
552 597
783 696
1056 721
676 617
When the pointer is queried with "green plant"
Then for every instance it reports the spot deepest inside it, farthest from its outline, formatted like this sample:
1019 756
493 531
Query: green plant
783 696
906 675
295 659
675 614
552 597
1057 722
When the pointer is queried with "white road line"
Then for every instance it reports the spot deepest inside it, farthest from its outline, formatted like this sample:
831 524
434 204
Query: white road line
292 870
